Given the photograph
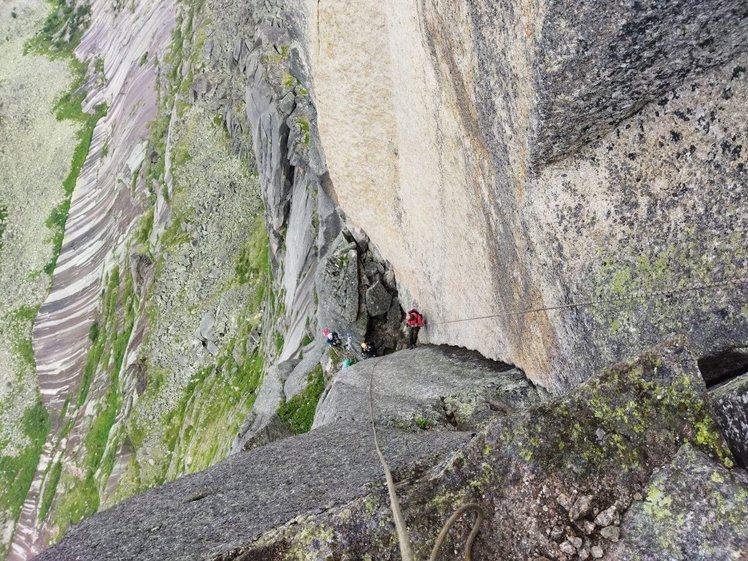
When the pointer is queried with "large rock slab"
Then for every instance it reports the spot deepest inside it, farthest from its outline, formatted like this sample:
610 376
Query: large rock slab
210 514
599 66
563 146
427 387
338 288
378 300
554 480
262 425
298 378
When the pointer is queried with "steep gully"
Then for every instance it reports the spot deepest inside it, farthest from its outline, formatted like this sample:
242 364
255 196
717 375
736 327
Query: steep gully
108 200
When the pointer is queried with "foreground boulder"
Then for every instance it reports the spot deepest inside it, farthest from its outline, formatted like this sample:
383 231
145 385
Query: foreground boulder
694 509
573 478
210 514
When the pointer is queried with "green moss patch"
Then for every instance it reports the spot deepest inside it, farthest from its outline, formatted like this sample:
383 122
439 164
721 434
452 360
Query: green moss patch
16 473
78 494
58 218
58 38
624 420
50 489
298 412
63 28
253 263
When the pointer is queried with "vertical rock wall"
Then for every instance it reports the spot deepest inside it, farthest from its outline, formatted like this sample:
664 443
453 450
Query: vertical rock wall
518 155
272 83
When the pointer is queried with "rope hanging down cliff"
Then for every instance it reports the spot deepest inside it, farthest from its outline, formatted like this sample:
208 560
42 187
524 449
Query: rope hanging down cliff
643 296
403 539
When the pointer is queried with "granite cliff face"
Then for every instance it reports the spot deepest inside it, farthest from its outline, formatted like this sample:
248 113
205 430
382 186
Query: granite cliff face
508 156
605 473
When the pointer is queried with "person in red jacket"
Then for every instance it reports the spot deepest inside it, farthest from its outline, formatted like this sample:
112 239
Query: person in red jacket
414 321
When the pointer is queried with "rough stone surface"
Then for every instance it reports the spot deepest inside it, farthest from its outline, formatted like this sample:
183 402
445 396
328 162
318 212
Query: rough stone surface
378 300
208 514
338 289
262 424
601 66
581 507
516 469
611 533
606 517
428 387
297 379
35 153
730 403
695 509
519 467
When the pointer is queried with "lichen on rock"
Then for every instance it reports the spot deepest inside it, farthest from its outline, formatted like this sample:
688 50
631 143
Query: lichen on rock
694 509
551 486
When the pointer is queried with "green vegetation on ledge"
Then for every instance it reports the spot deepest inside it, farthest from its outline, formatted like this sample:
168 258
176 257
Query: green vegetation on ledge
110 335
57 220
58 38
17 471
298 412
63 28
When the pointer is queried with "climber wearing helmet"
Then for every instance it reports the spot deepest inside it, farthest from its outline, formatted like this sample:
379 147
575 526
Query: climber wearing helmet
331 337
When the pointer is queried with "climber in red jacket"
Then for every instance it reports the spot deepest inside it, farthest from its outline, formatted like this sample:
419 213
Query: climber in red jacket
414 322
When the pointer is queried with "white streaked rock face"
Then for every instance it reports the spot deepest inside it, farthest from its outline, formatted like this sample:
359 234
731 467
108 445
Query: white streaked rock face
103 212
103 209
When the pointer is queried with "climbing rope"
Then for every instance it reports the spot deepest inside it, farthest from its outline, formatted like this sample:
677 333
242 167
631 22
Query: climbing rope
583 304
406 553
467 552
402 535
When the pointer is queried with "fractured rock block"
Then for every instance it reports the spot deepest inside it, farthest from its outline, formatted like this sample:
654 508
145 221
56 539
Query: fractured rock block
378 300
730 404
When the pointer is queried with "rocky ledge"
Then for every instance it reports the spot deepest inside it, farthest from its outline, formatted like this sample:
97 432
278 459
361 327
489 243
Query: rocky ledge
607 472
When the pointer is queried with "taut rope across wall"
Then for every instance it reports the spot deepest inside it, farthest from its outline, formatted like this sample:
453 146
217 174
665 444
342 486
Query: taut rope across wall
587 303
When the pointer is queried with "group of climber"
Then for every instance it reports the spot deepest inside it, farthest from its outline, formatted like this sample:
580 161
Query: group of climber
413 324
368 350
